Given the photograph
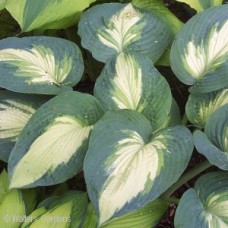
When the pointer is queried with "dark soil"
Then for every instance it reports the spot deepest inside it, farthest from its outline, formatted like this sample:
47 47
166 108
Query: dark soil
9 27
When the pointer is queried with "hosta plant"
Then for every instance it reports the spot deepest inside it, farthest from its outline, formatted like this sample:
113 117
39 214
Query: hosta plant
126 137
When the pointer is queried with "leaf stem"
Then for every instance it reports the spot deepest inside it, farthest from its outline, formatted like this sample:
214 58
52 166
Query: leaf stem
186 177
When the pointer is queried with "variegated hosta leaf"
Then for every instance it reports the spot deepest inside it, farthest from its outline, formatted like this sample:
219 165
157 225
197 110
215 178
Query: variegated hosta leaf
158 8
131 82
42 65
126 166
52 146
199 54
111 28
200 106
15 111
46 14
174 116
200 5
206 205
70 208
12 209
147 216
213 143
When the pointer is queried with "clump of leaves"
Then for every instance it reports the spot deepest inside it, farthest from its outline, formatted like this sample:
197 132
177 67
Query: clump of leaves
127 137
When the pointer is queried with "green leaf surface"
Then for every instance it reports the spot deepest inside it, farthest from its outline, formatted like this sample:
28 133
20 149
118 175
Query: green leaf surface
52 146
199 54
213 143
33 217
199 107
2 4
91 219
200 5
126 166
206 205
148 216
12 209
108 29
131 82
15 111
30 199
65 211
39 64
4 185
46 14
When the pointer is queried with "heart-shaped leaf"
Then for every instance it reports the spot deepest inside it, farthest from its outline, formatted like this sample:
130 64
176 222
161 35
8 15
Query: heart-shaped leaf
200 5
199 54
126 166
112 28
42 65
206 204
213 143
200 106
52 146
15 111
46 14
131 82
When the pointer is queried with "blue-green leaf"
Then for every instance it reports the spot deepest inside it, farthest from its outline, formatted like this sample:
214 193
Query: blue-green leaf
131 82
15 111
112 28
42 65
213 143
199 54
52 146
206 205
126 166
200 106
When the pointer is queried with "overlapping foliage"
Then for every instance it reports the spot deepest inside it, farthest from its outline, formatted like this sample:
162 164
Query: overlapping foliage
127 137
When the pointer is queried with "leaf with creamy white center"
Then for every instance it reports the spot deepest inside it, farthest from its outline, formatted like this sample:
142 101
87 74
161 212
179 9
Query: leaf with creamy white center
205 205
109 29
15 111
126 165
199 107
130 81
46 14
52 146
200 5
41 65
199 54
213 143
